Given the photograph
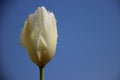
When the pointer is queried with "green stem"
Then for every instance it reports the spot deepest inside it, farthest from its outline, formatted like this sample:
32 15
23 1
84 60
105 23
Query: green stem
41 73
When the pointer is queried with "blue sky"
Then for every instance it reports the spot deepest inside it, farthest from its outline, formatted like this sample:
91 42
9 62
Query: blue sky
88 44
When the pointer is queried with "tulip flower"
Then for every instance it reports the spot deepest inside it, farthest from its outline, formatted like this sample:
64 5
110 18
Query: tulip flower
39 37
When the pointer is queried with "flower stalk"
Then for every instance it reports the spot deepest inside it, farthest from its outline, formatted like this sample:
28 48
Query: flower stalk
41 69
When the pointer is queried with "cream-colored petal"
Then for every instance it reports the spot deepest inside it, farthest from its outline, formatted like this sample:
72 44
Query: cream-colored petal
53 38
26 38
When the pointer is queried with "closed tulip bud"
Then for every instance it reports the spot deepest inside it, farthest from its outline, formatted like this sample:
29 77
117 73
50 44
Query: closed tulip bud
39 36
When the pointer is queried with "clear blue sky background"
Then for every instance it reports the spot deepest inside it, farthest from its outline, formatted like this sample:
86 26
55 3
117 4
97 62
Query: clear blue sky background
88 45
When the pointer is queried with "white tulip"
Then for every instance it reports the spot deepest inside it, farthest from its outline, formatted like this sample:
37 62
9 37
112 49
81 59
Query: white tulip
39 36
